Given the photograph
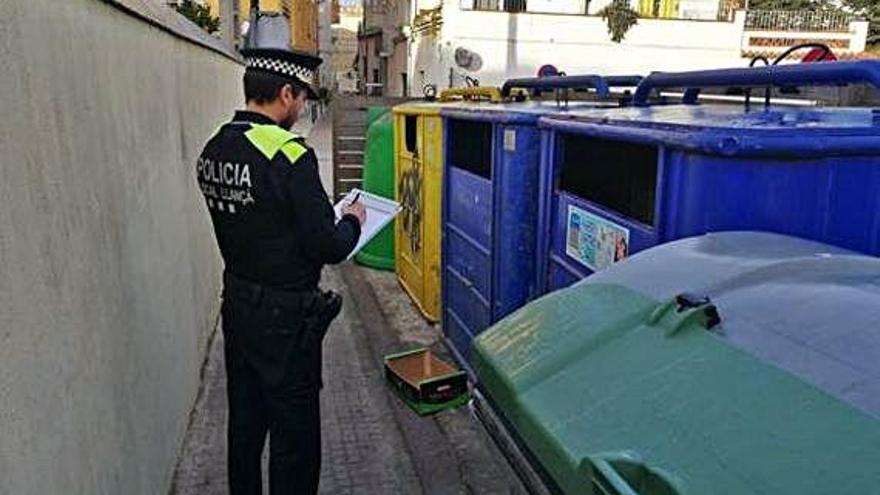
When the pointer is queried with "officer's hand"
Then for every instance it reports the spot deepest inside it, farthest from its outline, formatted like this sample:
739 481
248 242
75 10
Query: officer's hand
357 209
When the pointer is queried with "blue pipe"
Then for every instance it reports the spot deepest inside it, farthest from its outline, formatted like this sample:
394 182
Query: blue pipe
813 74
599 83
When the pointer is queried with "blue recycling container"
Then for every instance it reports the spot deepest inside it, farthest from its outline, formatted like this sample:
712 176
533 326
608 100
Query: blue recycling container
490 205
614 182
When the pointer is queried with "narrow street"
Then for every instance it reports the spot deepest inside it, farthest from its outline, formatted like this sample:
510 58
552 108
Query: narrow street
372 443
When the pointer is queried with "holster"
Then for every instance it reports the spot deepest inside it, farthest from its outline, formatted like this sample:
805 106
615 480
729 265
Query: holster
324 308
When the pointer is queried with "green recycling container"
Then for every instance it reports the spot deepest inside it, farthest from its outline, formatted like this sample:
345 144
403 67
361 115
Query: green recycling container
373 113
379 180
736 363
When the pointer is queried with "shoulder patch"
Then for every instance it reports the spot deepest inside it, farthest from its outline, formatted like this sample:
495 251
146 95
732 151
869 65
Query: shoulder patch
269 139
294 150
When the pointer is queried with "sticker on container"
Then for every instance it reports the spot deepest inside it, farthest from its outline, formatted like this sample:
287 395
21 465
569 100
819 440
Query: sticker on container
510 140
593 241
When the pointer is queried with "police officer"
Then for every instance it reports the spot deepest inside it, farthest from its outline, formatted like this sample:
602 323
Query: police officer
275 228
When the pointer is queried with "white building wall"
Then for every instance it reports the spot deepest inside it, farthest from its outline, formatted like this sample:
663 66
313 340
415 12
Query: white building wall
698 9
859 31
597 5
557 6
515 45
688 9
430 4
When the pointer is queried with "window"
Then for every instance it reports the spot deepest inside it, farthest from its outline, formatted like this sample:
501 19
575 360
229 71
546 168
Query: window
514 5
375 89
616 175
471 147
486 5
496 5
566 7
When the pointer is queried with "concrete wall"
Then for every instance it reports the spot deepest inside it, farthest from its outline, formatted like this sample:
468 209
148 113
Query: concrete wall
109 275
514 45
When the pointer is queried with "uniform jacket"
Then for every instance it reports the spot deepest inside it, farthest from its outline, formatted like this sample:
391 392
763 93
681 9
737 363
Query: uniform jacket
273 221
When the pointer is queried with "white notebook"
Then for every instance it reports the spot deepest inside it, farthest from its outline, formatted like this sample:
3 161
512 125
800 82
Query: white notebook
380 212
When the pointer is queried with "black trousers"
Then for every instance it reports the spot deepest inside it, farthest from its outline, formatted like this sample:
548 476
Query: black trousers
273 369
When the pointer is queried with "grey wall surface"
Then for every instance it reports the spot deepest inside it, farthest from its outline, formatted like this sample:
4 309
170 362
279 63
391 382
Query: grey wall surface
109 276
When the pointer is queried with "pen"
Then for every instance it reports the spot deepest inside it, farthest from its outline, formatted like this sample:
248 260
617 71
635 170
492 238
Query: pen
356 198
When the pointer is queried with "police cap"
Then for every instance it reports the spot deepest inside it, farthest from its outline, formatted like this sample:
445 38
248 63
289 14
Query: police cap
295 65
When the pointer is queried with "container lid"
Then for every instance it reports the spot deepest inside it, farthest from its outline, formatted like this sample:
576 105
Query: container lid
806 307
630 368
731 130
418 108
526 112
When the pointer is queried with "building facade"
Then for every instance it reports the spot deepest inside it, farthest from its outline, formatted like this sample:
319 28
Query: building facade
345 47
327 10
404 46
453 41
302 15
383 48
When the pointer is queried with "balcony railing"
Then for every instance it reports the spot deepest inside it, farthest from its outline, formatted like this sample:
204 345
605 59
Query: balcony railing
798 20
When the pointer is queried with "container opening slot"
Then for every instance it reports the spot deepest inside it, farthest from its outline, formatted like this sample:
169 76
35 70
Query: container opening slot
471 147
616 175
410 133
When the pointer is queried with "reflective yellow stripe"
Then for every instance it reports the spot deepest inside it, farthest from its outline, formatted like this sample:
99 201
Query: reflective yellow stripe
269 139
293 151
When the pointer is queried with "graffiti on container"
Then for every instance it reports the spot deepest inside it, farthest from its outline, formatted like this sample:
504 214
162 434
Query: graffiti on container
410 189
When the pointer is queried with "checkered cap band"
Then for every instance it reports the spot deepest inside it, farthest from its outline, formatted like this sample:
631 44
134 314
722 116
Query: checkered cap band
281 67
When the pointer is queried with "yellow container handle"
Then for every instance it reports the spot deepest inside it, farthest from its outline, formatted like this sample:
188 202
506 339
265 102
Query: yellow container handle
490 93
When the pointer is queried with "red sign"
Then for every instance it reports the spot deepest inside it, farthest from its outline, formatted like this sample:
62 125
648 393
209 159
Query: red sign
548 70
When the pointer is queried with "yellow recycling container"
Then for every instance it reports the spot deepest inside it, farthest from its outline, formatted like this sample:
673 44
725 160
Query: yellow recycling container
418 169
